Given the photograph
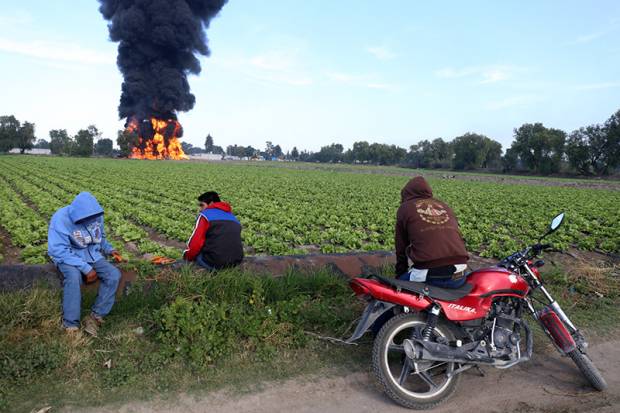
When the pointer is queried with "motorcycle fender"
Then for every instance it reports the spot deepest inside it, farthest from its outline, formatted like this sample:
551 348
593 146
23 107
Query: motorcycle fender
373 311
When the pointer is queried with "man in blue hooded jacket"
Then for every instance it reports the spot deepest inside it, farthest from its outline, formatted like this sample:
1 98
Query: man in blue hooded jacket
77 244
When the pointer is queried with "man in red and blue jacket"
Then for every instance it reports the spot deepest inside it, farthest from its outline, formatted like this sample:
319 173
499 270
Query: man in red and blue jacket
216 240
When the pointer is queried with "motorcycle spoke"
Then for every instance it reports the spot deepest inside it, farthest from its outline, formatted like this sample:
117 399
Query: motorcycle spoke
404 373
428 379
396 347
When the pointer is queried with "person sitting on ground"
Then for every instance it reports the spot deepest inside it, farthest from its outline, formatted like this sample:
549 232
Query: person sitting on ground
216 240
77 244
427 234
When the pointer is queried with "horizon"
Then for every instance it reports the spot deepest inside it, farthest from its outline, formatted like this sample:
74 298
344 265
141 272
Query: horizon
303 76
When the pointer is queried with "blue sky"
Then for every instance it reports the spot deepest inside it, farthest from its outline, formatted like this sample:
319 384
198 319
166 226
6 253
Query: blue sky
308 73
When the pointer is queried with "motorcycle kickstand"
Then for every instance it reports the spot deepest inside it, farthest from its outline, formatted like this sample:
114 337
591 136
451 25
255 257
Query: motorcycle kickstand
482 373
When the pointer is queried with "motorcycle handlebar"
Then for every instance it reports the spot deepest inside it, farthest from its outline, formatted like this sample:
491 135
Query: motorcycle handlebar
517 257
541 247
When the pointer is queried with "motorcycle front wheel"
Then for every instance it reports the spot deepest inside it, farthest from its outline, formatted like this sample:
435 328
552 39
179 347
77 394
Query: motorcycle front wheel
415 384
588 369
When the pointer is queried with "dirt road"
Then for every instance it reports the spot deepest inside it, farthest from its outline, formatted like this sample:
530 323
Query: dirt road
547 384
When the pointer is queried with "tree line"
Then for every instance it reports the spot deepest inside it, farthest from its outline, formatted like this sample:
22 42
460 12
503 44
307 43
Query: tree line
15 134
86 142
590 150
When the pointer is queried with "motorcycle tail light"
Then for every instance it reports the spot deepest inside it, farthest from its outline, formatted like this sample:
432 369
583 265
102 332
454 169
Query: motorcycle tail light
556 329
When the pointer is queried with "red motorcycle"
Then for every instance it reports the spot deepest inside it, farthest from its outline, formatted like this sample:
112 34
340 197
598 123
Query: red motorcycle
434 334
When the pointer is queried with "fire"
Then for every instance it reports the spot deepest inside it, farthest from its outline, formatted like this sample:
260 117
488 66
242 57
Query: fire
157 139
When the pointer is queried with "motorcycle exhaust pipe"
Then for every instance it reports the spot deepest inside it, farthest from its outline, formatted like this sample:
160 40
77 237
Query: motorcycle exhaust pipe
426 350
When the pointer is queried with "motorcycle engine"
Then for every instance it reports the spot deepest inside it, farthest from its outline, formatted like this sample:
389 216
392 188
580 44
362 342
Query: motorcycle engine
502 339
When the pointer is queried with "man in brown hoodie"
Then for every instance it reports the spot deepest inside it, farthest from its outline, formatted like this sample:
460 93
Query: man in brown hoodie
427 233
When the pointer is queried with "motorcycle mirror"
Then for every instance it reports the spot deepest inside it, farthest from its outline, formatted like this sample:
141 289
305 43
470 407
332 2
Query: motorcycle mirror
555 224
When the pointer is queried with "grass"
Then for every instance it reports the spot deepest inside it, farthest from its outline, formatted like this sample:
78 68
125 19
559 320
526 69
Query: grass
589 293
194 332
189 330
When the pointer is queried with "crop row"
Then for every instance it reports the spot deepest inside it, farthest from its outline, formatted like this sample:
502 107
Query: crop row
47 194
287 211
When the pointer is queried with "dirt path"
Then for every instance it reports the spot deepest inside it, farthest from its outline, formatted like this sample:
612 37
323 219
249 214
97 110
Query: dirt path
547 384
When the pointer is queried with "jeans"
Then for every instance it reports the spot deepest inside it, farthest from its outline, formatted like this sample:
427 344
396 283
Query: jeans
447 282
438 282
109 276
200 261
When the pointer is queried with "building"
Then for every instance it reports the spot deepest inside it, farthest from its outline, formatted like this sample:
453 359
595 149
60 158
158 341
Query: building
34 151
206 157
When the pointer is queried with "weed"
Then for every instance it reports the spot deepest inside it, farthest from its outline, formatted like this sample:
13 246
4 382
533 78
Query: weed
194 330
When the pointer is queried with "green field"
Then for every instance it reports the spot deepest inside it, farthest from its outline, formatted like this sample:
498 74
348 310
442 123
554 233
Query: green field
184 331
286 208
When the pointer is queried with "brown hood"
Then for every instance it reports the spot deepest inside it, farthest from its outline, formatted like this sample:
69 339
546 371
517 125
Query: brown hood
416 188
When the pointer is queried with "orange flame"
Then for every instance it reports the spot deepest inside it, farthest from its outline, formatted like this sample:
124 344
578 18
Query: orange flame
157 147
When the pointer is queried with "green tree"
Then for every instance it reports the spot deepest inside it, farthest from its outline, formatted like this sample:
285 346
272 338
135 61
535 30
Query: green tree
421 154
595 149
330 153
268 150
383 154
582 148
277 151
427 154
25 137
510 160
612 143
187 147
295 153
475 151
236 150
250 151
84 141
539 148
104 147
360 152
209 144
493 158
9 131
42 144
60 142
440 153
126 141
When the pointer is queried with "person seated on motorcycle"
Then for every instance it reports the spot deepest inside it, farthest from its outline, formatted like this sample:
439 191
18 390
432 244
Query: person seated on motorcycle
427 233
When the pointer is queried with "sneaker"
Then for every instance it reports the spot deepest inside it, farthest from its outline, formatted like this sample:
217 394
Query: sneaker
92 324
71 330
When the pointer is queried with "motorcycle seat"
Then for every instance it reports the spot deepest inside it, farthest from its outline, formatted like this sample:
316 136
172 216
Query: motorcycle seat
438 293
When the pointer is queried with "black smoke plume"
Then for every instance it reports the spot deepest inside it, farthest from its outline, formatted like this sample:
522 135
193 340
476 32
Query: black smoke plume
158 44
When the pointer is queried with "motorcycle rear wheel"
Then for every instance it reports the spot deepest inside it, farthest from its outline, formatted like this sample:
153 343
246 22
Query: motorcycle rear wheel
588 369
385 360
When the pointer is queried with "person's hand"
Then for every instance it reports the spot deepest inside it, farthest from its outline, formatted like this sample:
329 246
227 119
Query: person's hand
90 277
117 257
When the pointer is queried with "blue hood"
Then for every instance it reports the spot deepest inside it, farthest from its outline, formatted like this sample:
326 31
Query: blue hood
76 236
84 206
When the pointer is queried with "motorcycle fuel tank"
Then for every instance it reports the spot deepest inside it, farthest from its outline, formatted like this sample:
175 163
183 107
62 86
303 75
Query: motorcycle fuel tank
488 283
